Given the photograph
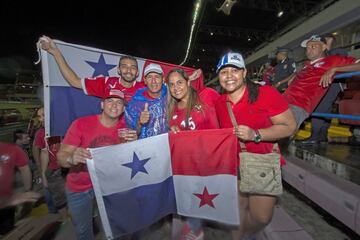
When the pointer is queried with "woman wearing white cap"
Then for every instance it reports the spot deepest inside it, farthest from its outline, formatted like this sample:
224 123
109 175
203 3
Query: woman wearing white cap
262 117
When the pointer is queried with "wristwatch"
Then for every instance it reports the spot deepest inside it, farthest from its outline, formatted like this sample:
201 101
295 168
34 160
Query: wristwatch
257 137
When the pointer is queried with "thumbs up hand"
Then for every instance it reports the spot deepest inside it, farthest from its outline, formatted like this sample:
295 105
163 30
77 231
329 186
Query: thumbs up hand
145 115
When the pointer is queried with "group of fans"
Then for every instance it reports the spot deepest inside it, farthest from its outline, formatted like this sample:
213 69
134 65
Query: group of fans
168 102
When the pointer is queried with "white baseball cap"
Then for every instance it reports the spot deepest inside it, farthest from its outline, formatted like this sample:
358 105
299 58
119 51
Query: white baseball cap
313 38
231 59
153 67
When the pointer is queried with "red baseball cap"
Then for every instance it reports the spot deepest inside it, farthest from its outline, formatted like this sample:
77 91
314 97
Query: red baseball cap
114 93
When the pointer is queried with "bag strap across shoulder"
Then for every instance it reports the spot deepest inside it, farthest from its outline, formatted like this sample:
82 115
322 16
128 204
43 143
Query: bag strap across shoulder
233 120
242 145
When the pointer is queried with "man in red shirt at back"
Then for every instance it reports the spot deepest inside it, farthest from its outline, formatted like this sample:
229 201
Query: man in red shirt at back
12 157
310 84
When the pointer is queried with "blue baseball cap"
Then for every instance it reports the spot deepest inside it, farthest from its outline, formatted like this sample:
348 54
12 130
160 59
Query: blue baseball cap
230 59
282 49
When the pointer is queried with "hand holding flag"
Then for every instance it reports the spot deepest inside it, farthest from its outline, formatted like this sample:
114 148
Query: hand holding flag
192 173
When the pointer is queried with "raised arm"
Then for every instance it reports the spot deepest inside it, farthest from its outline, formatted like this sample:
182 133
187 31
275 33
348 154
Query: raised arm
195 75
70 76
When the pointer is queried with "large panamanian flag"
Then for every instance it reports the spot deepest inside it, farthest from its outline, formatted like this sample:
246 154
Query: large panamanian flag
192 173
63 103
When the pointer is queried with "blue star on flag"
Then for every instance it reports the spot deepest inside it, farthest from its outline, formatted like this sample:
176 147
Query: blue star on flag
101 67
137 165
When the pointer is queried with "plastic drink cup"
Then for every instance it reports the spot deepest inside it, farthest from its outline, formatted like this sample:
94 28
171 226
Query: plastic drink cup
122 132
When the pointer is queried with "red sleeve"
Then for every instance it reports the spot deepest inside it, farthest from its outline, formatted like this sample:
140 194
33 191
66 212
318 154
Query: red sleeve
277 105
211 118
21 158
346 60
39 140
198 83
94 86
73 134
209 96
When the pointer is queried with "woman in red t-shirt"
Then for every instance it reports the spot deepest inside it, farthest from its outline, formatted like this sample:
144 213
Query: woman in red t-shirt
186 111
263 116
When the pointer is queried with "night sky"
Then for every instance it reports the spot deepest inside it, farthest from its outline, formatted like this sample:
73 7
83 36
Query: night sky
152 29
157 30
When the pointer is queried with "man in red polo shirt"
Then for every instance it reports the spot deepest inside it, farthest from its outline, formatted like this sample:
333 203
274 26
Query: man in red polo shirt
98 86
311 83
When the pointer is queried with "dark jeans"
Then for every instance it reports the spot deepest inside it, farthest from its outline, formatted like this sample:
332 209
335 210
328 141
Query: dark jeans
49 201
81 208
321 125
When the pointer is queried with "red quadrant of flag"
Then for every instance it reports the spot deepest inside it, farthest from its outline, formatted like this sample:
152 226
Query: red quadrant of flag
204 152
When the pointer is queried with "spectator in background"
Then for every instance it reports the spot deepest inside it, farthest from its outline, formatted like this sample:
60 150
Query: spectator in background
22 139
311 83
39 118
37 146
51 174
320 126
13 157
267 71
52 177
284 70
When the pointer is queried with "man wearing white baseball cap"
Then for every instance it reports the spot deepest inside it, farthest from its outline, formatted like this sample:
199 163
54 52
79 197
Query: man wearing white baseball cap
146 112
312 82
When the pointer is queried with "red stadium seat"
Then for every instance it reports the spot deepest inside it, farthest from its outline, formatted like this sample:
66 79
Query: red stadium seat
351 107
